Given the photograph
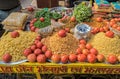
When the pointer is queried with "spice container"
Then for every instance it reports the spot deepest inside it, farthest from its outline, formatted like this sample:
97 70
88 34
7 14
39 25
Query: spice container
82 31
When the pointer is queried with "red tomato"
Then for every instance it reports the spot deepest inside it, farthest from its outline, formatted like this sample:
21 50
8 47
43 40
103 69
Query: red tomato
100 58
6 58
36 30
15 34
31 57
44 49
33 47
27 52
112 59
30 9
37 51
32 22
91 58
82 46
31 25
36 41
32 29
106 28
42 19
72 19
38 38
112 20
93 31
48 54
89 46
62 33
119 19
35 19
93 51
55 58
41 58
109 34
112 23
115 26
101 29
97 29
79 50
118 28
67 29
85 51
99 19
64 58
72 58
82 41
39 45
81 58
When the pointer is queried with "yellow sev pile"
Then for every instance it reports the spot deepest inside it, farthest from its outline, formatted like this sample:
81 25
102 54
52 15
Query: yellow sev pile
16 46
106 45
59 45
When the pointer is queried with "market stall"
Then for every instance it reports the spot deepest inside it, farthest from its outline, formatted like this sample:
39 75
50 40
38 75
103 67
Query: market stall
60 40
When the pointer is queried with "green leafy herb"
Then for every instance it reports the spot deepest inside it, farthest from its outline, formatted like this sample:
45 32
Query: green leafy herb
82 13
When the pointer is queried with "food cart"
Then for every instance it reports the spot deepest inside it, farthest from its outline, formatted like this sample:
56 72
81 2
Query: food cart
60 43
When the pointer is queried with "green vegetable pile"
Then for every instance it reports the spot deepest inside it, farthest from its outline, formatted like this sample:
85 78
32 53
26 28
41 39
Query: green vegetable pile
40 24
47 16
82 13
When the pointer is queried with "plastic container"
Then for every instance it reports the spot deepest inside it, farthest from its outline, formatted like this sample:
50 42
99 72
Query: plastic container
82 31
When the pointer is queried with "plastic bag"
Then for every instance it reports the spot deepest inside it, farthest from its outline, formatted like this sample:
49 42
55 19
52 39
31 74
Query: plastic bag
45 31
15 19
56 25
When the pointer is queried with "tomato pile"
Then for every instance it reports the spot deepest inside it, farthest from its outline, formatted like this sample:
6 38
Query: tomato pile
32 27
115 24
38 52
102 28
86 52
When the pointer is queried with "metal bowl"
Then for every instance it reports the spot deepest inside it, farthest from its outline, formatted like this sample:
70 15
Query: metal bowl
78 2
62 10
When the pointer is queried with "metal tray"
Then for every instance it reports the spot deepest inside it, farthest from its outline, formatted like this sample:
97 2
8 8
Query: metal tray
26 28
13 63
